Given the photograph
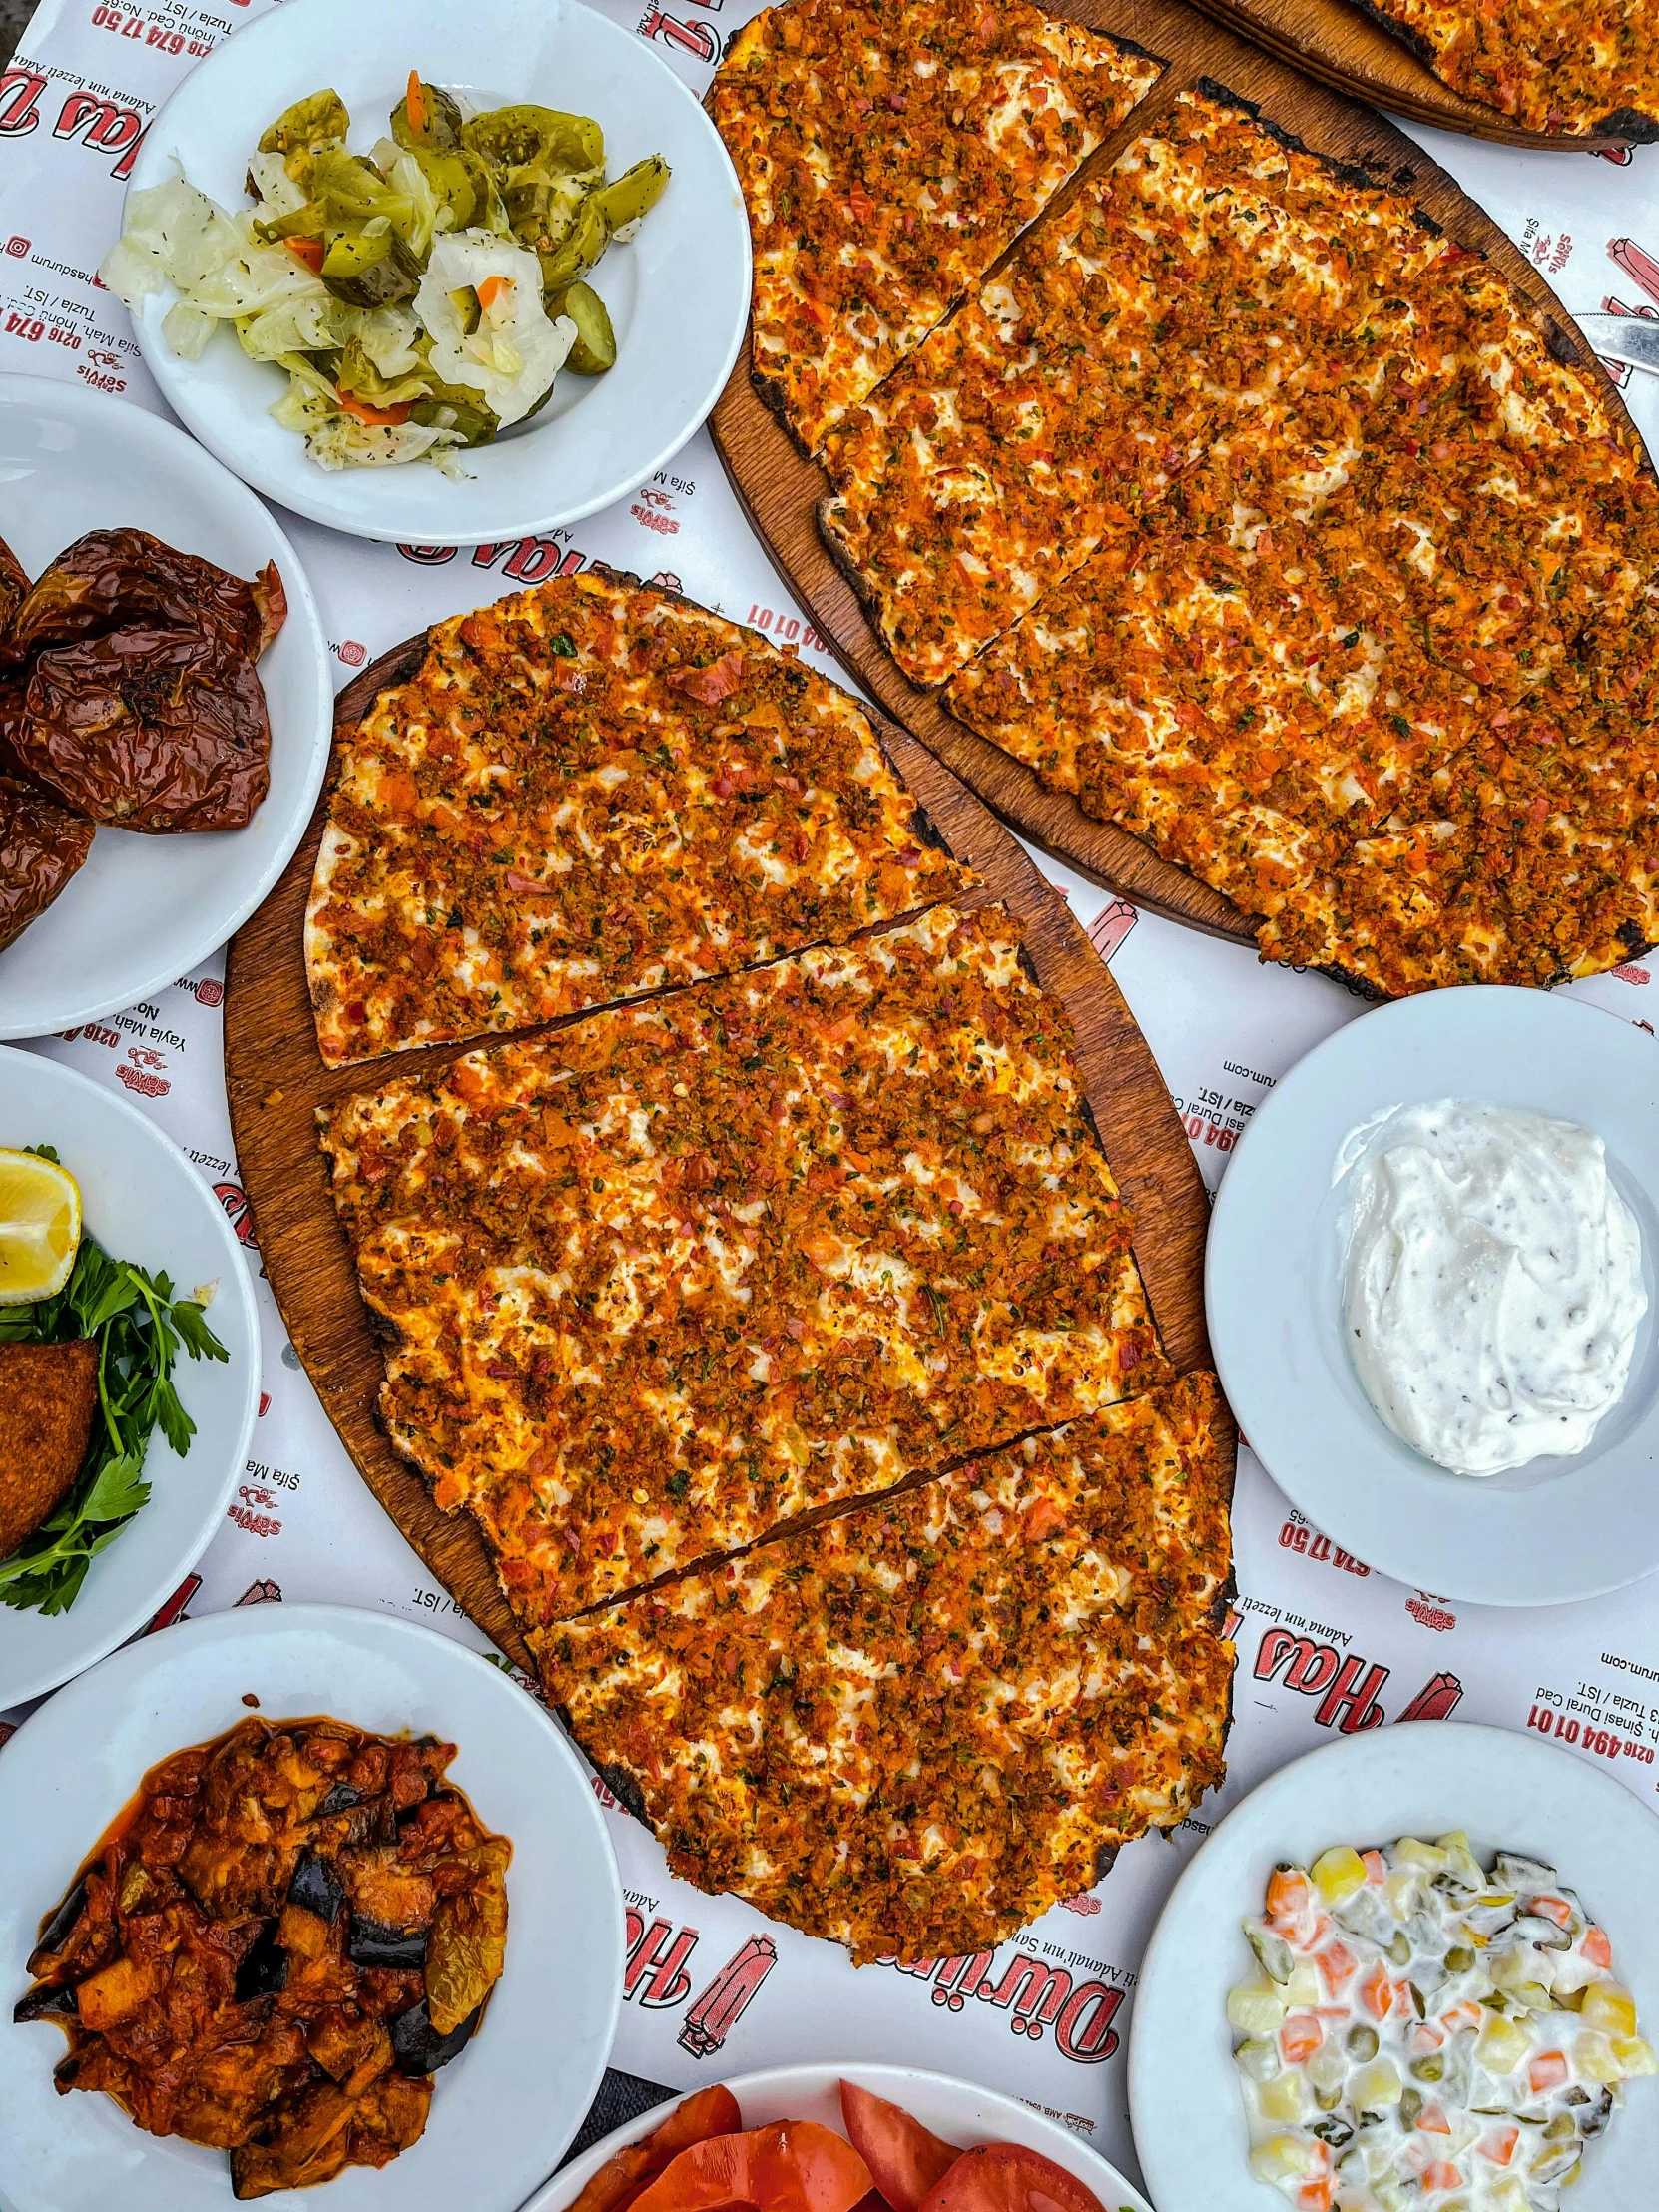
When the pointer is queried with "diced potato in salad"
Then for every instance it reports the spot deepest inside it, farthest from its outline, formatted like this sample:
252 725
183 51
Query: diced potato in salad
1421 2032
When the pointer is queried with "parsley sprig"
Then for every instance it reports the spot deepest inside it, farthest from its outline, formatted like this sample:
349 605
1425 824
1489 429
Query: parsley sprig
139 1327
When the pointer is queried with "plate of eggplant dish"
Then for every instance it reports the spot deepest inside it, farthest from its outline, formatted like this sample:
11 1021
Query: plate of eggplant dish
303 1895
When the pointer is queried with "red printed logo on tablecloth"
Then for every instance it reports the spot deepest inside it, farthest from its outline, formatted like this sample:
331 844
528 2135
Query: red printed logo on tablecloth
718 2008
18 249
1036 1996
262 1592
1430 1611
250 1510
1346 1685
140 1072
1438 1700
695 39
1636 263
20 90
103 125
529 560
234 1198
352 653
654 1975
1111 925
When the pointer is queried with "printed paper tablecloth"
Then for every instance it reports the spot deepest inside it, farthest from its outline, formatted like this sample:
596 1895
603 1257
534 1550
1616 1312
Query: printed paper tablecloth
1324 1645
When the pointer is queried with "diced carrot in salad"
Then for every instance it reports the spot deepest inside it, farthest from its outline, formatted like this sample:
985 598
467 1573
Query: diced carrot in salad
1596 1949
1299 2038
1442 2175
1433 2121
1337 1964
1377 1992
1548 2071
1499 2144
1287 1893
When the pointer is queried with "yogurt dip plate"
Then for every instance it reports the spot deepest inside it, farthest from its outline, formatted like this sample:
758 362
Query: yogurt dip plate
1553 1531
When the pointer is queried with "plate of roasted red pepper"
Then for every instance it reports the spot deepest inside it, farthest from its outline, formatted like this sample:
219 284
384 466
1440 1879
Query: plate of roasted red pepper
165 704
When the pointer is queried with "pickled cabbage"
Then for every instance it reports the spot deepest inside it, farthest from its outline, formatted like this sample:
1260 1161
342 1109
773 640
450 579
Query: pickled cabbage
513 353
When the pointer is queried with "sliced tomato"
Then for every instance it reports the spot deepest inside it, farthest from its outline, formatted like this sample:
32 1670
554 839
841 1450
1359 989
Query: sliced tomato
792 2167
1004 2177
622 2178
904 2157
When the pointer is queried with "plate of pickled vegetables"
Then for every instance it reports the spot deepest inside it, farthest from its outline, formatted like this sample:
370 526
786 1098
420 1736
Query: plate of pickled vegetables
1414 1972
435 274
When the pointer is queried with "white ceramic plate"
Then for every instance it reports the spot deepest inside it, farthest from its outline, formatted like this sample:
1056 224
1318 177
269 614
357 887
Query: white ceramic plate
1556 1529
503 2112
960 2112
143 1201
145 911
677 293
1423 1779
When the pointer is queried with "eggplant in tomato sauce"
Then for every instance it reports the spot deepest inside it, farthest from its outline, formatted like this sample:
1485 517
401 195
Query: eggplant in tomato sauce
275 1945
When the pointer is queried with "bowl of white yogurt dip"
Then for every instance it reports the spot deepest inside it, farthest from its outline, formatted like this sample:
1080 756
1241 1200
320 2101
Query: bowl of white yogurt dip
1432 1294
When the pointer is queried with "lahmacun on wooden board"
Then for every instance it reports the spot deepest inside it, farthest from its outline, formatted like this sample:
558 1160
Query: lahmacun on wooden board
686 1269
1266 522
591 789
918 1725
888 152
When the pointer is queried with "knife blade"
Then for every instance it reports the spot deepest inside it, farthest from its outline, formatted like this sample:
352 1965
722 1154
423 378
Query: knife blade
1624 337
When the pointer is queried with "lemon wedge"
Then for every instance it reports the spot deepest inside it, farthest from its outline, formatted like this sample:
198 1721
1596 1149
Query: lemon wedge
40 1227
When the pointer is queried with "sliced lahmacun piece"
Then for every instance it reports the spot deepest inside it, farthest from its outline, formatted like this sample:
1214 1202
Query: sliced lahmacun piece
1546 67
590 789
888 151
918 1725
684 1270
1207 288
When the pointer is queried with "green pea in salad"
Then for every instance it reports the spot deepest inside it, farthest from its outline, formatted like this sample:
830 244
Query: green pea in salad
422 296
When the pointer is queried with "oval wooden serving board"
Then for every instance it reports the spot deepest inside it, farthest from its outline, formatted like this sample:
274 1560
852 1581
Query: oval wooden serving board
780 489
277 1080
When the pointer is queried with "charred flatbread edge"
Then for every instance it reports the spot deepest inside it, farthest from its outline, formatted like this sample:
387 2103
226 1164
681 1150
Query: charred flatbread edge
1629 124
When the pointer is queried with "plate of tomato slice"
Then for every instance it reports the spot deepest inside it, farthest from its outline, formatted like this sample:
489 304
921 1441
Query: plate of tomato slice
841 2139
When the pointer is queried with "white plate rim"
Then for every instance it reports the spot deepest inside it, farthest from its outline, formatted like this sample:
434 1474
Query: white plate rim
306 489
1162 2091
234 1284
296 1620
818 2078
219 484
1370 1494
